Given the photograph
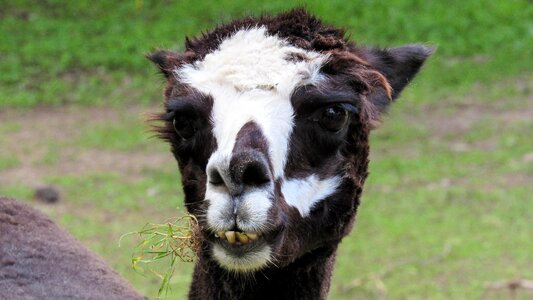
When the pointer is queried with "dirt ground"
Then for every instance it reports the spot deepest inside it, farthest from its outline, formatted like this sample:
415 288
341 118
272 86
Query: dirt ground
38 130
32 132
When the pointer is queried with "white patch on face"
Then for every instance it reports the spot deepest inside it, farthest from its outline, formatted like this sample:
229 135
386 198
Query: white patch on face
305 193
249 262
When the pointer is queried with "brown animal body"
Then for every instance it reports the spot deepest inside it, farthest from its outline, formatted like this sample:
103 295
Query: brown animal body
38 260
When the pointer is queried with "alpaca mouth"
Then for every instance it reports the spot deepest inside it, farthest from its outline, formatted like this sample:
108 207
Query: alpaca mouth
240 251
237 237
240 243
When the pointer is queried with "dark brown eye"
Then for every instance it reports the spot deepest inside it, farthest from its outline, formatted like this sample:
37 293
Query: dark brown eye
333 118
184 126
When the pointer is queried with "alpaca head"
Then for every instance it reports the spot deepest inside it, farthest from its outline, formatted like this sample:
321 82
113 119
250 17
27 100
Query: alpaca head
269 119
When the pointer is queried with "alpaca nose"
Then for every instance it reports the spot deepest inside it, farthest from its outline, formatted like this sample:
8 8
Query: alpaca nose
247 169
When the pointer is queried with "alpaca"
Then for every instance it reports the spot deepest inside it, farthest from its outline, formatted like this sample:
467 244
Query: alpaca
268 119
38 260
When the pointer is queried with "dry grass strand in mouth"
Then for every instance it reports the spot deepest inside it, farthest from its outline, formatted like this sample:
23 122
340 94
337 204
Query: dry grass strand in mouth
177 239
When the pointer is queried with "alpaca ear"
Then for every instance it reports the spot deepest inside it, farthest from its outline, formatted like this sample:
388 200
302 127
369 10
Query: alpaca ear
165 60
399 66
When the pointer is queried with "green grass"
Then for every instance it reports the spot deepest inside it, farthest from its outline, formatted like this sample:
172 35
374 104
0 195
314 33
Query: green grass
7 162
128 134
56 52
446 207
20 191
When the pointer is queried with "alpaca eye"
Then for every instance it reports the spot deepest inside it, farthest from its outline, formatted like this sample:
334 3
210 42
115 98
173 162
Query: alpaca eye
333 118
184 126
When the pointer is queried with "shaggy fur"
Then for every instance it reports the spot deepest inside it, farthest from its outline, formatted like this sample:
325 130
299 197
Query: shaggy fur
38 260
310 195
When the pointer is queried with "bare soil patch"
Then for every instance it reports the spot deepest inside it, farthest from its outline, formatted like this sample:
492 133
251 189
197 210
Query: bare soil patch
41 128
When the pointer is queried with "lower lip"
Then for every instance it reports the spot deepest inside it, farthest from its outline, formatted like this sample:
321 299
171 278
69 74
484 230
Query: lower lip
240 249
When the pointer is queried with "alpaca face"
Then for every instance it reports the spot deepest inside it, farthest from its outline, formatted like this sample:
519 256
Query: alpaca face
272 137
251 80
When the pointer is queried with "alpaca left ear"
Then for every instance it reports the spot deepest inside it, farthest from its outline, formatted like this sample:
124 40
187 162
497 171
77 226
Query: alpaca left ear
398 65
166 61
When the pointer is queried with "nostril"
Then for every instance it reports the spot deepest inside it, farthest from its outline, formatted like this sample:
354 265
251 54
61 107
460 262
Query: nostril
247 168
215 178
255 174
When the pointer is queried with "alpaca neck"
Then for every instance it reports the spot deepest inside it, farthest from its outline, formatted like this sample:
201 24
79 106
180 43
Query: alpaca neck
306 278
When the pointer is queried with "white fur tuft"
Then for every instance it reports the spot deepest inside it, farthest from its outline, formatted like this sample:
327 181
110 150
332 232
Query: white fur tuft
304 193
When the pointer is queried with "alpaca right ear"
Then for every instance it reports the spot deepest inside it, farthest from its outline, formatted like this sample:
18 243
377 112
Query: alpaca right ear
399 66
165 60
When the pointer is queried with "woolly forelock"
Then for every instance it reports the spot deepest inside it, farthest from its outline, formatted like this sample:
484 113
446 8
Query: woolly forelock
299 29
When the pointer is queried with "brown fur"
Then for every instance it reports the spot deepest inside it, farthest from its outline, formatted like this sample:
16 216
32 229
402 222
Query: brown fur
38 260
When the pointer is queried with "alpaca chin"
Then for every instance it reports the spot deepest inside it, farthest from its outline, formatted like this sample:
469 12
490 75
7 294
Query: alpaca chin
249 261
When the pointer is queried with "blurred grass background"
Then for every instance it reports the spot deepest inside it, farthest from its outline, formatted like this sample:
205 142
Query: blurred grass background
447 208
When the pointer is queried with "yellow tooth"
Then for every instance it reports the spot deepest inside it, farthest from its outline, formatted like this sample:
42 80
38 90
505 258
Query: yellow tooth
252 236
221 235
230 235
242 237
